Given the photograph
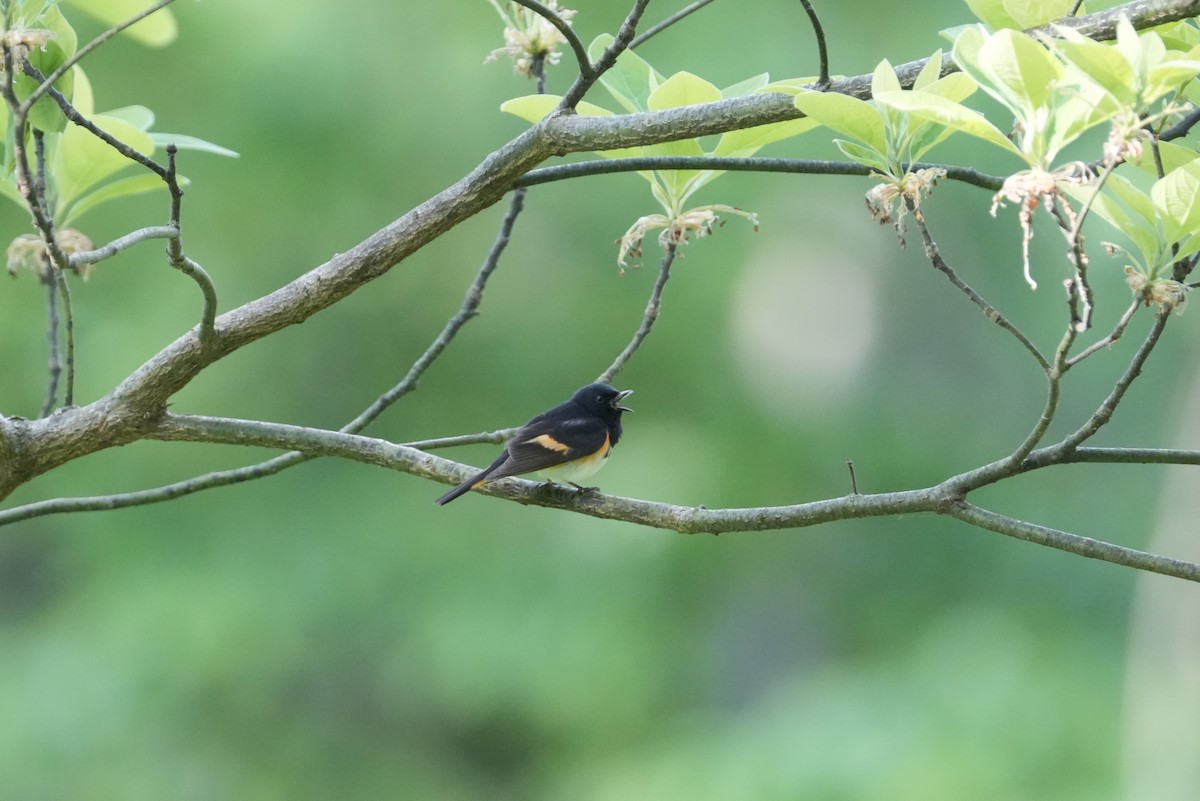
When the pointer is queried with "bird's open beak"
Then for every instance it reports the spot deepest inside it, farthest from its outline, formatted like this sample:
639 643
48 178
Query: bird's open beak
625 393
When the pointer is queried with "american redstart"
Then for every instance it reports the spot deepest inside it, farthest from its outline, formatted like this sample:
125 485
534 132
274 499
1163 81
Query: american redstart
565 444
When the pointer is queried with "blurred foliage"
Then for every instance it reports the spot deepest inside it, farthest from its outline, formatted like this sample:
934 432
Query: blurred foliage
331 633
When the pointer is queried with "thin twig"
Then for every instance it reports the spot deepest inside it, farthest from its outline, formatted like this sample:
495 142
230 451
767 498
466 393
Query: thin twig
1109 405
186 265
587 78
1114 335
1072 543
651 314
560 172
68 313
46 83
73 115
991 312
466 311
269 467
54 357
122 243
658 28
822 51
1181 128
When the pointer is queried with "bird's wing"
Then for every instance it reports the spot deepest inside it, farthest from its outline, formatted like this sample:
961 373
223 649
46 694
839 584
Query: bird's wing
538 445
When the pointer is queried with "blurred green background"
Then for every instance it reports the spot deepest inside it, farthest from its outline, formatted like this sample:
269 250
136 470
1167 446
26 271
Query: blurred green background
329 632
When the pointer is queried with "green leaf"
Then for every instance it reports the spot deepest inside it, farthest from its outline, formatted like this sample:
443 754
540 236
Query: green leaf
992 13
1021 71
1173 156
929 73
676 182
884 79
1101 63
956 86
946 112
631 80
746 87
534 108
791 86
682 89
124 187
1134 198
185 142
747 141
45 114
846 115
1144 237
157 30
863 155
1177 199
139 117
924 137
81 160
1034 13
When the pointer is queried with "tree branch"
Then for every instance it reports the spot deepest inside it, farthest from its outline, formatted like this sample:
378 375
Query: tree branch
579 169
1072 543
135 406
822 50
651 314
941 499
933 253
47 82
659 27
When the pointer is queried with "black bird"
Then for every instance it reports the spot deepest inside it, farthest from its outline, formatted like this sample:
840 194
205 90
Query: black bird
566 444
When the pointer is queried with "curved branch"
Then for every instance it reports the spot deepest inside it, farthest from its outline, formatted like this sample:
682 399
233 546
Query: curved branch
579 169
658 28
132 409
651 314
587 79
122 243
46 83
687 520
934 254
1072 543
822 50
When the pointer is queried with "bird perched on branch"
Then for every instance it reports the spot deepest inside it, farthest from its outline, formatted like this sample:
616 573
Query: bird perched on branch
566 444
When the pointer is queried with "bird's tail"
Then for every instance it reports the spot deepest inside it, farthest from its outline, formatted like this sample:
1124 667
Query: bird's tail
472 482
461 489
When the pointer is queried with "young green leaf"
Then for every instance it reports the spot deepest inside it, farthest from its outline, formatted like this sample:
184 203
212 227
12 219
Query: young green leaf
1177 199
846 115
185 142
747 87
157 30
746 142
1032 13
884 79
863 155
1145 237
534 108
992 13
631 80
124 187
81 160
682 89
943 111
930 72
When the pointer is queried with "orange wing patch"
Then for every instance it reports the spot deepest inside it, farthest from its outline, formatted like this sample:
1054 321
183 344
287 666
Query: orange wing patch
549 443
